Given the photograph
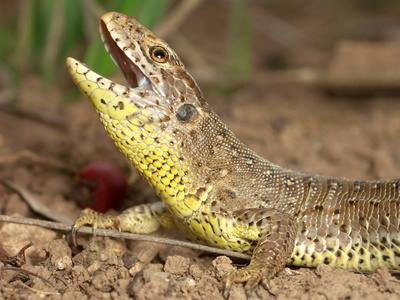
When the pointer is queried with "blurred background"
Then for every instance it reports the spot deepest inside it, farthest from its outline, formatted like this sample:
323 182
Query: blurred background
308 84
223 42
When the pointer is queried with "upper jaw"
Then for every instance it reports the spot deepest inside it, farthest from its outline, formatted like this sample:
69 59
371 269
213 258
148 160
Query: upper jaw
135 78
108 97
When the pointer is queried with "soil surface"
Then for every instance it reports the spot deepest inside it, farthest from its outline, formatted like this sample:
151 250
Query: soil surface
292 125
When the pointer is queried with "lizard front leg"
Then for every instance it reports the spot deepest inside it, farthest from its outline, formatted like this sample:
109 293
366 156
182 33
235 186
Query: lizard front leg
145 218
276 233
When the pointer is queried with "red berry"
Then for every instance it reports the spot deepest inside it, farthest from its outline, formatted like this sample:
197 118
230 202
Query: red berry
100 186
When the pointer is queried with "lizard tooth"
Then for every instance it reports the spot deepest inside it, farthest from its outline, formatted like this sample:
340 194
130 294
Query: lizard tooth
144 81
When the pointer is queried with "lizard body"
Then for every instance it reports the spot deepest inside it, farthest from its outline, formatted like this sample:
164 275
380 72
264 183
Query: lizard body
214 188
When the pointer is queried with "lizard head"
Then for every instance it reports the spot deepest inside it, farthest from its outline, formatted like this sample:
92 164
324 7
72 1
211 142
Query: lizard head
157 80
153 117
139 53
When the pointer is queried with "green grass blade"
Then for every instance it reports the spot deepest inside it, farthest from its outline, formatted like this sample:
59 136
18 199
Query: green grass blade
239 40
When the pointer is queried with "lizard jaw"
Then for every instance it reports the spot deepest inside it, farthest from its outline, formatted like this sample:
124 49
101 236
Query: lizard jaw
133 75
109 97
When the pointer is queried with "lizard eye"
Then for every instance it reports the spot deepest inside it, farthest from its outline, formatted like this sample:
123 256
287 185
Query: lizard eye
159 54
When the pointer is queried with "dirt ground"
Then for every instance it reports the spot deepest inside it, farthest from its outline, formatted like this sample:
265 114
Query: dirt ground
292 125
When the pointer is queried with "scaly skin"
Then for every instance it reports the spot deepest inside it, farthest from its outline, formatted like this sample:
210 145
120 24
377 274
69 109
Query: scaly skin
213 187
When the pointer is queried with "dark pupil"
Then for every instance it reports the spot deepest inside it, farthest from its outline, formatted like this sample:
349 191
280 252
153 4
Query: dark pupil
160 54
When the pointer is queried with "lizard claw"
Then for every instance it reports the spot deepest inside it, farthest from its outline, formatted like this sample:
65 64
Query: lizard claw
74 229
117 225
251 275
95 219
248 294
227 287
265 283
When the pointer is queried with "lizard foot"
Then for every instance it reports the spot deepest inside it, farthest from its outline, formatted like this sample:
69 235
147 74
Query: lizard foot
145 218
95 219
252 275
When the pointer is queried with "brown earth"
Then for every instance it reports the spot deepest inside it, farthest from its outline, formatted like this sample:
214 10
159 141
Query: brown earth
294 126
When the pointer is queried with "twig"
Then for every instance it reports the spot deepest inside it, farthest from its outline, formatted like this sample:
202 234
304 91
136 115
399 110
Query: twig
328 80
8 108
191 54
38 291
121 235
35 205
60 290
277 29
173 20
53 39
168 29
16 260
26 154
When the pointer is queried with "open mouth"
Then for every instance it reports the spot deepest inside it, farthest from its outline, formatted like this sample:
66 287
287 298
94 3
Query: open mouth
133 75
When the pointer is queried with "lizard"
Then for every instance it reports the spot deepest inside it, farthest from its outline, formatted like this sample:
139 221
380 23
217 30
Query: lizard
213 187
